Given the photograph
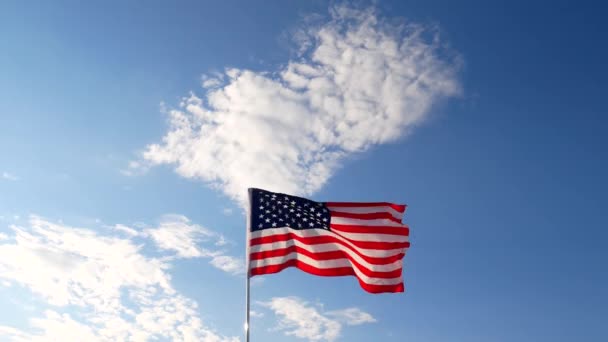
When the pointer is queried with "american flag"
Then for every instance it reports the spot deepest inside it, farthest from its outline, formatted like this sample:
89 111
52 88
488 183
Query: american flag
365 240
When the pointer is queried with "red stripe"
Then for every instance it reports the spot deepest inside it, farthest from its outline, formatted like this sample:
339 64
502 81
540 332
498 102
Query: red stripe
315 240
370 259
323 255
328 256
398 207
401 231
368 216
372 274
331 272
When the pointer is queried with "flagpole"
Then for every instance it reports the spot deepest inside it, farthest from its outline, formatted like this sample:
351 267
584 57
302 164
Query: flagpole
247 311
247 292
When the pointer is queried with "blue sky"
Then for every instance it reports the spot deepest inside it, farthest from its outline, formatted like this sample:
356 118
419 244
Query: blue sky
129 132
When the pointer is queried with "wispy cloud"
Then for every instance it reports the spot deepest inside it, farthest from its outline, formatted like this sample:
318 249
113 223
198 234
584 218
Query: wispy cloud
229 264
301 319
9 176
361 81
256 314
135 168
177 234
126 230
118 292
352 316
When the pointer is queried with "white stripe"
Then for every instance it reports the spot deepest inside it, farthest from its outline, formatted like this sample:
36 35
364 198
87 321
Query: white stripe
324 247
372 237
357 222
325 264
368 210
328 247
379 253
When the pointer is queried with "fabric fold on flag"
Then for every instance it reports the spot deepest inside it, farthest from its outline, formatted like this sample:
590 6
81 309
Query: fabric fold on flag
365 240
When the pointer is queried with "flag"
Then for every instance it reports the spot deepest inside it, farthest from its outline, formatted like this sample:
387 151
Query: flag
365 240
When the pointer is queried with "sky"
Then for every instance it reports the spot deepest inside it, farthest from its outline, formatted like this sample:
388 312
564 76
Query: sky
130 131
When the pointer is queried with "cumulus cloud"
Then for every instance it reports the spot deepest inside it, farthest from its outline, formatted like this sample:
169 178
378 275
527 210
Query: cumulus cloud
52 326
119 293
303 320
360 81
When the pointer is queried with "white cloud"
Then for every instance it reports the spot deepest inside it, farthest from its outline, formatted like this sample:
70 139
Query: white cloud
352 316
212 81
127 230
135 168
229 264
300 319
227 211
222 241
256 314
9 177
118 293
177 234
53 327
361 81
3 236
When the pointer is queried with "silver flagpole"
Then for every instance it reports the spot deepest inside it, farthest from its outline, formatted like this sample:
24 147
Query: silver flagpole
247 294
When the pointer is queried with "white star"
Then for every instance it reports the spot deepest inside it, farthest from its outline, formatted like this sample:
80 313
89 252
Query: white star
274 224
293 202
267 220
311 224
312 209
318 214
262 216
291 210
305 219
298 215
261 207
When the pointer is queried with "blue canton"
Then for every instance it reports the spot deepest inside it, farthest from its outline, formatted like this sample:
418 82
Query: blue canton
274 210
